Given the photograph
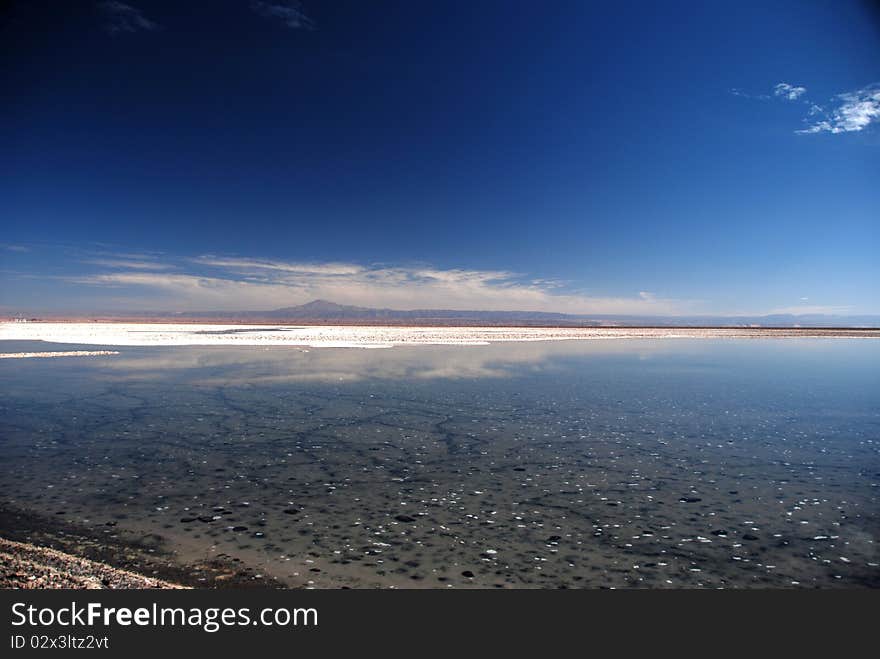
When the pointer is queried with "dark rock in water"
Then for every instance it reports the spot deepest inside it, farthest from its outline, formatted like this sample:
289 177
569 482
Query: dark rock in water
719 532
291 511
519 468
554 538
468 574
239 529
690 499
187 520
406 519
206 518
109 523
749 536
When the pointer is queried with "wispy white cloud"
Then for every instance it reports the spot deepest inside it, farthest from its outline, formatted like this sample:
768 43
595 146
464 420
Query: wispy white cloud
736 91
245 265
187 291
789 92
850 112
782 90
129 264
845 113
260 284
125 18
290 13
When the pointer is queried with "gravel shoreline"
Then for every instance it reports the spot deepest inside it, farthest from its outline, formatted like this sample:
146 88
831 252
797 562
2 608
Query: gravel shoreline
37 551
26 566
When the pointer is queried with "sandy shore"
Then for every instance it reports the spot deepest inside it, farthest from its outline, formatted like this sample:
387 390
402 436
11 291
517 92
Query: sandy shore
148 334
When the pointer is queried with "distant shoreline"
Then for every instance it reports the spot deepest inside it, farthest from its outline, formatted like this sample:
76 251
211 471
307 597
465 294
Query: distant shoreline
376 336
419 323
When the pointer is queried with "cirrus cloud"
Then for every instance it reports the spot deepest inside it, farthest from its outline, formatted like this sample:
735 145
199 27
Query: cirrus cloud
850 112
789 92
290 13
125 18
212 283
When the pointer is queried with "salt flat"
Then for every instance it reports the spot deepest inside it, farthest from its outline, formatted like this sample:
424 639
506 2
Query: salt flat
150 334
66 353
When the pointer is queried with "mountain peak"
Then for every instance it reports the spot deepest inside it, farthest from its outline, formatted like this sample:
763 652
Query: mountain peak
320 304
320 308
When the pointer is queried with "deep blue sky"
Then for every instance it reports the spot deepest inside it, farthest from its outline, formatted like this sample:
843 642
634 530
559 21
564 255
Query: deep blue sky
597 157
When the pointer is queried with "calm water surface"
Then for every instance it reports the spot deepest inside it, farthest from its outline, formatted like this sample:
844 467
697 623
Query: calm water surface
570 464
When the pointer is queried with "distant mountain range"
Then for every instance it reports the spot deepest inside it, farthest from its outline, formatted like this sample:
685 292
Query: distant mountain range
324 311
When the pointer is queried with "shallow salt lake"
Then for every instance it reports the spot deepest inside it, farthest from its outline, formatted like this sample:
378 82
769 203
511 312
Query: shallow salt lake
647 463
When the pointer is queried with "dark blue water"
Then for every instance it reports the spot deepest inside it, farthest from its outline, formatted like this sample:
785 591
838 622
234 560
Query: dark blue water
671 463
